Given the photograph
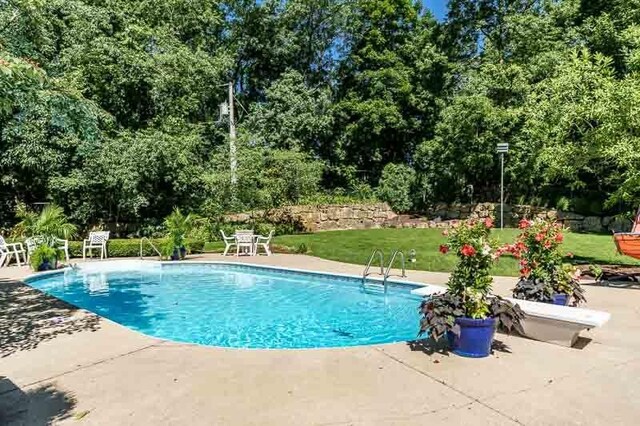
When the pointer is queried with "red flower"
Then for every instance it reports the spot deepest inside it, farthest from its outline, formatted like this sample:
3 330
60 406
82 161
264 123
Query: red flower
524 223
525 272
569 254
444 248
520 246
468 250
547 244
539 237
488 222
559 238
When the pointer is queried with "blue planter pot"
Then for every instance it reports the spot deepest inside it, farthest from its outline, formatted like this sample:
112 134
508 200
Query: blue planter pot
476 336
48 266
560 299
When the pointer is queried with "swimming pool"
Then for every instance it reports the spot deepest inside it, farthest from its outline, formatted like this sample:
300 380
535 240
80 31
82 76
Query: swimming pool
240 306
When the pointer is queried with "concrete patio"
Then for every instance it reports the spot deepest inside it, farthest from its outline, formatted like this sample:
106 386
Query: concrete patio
91 371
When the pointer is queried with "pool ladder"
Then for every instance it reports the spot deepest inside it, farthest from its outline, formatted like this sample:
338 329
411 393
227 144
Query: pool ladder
142 241
378 286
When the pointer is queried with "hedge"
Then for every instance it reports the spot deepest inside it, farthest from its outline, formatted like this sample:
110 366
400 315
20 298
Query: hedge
131 248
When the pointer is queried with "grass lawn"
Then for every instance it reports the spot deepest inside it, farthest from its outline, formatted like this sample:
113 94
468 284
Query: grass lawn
355 247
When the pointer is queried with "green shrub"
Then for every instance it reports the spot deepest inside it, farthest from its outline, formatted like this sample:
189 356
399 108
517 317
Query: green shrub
301 249
131 248
395 186
41 254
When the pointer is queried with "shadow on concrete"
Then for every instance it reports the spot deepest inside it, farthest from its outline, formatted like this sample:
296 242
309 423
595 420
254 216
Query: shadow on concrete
29 317
39 406
581 343
430 346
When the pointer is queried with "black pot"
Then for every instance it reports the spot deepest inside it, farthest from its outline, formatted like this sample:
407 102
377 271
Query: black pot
183 252
175 255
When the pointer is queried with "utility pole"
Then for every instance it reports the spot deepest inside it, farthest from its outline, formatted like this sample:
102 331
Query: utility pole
502 148
232 139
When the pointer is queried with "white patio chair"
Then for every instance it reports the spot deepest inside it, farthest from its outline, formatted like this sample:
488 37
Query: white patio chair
264 242
228 242
64 246
7 250
244 240
96 240
32 243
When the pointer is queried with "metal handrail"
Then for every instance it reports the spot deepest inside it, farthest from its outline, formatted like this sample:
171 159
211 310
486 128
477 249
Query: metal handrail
142 240
393 257
373 255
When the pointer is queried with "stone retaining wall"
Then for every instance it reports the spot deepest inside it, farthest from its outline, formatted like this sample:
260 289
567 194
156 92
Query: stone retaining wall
514 213
378 215
324 217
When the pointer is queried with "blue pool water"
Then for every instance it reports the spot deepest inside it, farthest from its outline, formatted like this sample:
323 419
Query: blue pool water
240 306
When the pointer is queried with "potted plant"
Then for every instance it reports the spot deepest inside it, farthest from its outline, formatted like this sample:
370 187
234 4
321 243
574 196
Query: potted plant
50 224
544 277
178 227
44 258
467 314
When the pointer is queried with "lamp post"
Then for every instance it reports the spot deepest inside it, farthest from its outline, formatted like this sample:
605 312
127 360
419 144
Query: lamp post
502 149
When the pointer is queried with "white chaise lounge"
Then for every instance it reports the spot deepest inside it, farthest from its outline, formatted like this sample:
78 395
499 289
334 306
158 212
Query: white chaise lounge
9 250
560 325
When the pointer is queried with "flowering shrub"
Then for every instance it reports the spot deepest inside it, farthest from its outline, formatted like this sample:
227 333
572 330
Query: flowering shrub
542 270
469 285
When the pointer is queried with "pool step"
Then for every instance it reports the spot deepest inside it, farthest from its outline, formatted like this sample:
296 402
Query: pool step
373 286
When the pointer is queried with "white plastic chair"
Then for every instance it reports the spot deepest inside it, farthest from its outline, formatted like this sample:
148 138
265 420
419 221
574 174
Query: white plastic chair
64 246
244 240
228 242
32 243
264 242
97 240
8 250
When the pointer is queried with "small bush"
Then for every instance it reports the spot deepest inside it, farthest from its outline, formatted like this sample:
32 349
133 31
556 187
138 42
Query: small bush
395 186
131 248
301 249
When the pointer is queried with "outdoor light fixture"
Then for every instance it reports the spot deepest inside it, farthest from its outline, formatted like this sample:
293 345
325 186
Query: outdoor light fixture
412 256
502 149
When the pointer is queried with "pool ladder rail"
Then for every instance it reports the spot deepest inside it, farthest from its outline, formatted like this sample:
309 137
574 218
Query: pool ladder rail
377 286
145 239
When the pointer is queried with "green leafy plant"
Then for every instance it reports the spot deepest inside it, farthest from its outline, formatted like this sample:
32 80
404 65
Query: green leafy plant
42 255
49 224
301 249
469 286
395 186
178 226
596 271
543 272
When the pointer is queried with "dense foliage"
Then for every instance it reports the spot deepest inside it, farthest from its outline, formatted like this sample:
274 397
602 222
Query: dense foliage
110 108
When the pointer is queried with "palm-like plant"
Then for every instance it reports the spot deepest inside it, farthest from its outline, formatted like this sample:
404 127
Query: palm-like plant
49 224
178 226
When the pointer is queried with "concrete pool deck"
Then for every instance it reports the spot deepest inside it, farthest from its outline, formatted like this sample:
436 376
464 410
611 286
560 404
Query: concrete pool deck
65 366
